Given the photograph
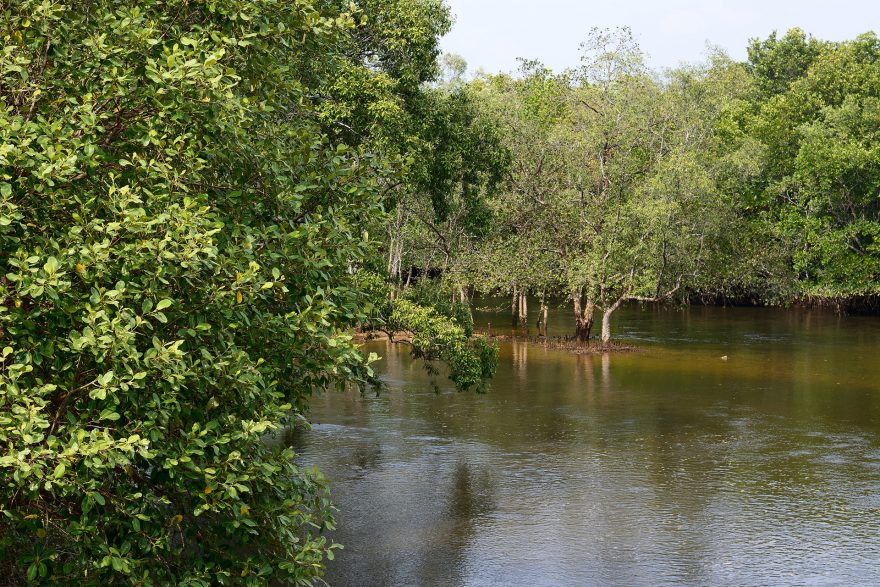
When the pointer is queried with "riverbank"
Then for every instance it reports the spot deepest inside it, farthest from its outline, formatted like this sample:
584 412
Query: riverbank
570 344
863 305
563 343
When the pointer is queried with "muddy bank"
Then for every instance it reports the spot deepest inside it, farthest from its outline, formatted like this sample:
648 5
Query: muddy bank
564 343
569 344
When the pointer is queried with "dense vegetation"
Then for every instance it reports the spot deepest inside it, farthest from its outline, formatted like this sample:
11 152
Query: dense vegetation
755 182
193 200
187 196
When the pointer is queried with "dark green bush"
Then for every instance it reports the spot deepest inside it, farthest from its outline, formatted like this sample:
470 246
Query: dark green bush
176 238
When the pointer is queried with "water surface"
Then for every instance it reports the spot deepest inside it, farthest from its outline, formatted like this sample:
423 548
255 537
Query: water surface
668 466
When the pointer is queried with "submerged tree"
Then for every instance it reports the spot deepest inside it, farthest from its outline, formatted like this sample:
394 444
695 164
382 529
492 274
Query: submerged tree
642 199
609 191
517 257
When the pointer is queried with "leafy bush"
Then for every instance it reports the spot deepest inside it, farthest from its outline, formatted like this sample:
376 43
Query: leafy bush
432 294
472 361
176 238
436 328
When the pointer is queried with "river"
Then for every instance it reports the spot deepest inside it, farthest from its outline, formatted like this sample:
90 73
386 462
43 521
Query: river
670 466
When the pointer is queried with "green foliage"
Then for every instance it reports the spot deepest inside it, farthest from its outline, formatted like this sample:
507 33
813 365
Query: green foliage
434 337
815 184
612 184
776 63
400 37
529 114
456 163
429 294
461 159
177 234
436 327
187 193
751 181
372 98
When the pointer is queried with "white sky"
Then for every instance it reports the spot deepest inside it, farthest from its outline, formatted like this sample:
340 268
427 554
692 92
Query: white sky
491 34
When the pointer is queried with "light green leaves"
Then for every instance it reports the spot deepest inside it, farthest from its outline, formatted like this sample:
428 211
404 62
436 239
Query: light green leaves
105 379
51 266
156 158
437 337
108 414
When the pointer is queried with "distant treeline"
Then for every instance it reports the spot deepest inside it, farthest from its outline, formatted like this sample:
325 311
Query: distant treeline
720 182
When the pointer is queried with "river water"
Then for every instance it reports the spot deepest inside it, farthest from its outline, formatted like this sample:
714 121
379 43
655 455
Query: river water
670 466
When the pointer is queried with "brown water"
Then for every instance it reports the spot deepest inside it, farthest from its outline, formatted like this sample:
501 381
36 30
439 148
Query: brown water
669 466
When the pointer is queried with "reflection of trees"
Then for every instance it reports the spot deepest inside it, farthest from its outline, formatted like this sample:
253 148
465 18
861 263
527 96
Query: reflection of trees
585 375
647 466
366 457
471 497
681 478
606 373
520 356
586 381
684 450
294 437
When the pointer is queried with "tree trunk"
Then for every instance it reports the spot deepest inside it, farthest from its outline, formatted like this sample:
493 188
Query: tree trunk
606 325
583 316
606 320
584 327
392 246
542 320
542 315
398 261
523 310
514 307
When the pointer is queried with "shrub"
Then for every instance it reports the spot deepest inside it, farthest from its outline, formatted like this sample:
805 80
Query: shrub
176 238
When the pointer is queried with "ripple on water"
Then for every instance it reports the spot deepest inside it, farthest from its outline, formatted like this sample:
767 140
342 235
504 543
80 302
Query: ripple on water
623 471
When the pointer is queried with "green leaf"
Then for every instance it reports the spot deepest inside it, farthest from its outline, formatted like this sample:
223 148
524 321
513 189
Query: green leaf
51 265
109 414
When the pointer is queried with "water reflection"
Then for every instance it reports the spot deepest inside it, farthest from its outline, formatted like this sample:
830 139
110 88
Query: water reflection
668 466
470 498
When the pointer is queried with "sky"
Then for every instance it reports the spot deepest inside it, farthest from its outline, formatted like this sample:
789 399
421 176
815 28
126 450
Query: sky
491 34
